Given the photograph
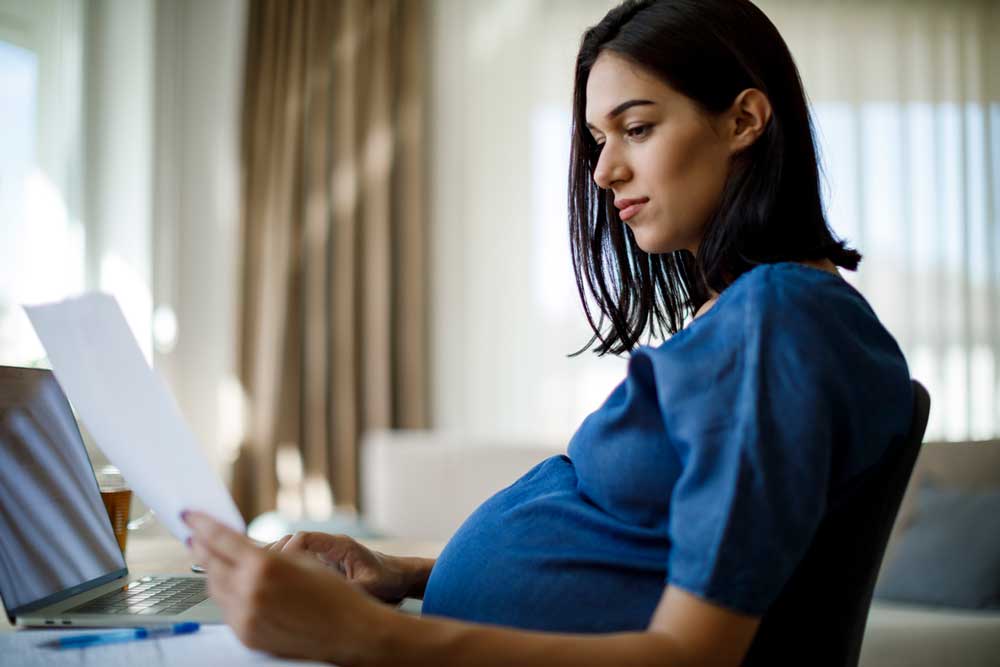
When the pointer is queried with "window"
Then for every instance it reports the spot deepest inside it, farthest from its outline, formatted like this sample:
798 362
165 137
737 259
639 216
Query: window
908 120
42 251
907 108
908 185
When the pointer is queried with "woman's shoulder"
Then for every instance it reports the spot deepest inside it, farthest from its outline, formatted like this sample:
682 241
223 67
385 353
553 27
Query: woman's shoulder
785 288
789 307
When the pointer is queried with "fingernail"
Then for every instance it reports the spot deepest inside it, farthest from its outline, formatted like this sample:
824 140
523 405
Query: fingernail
184 516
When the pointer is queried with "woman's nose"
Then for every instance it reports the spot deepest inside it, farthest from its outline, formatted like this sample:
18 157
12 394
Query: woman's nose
610 168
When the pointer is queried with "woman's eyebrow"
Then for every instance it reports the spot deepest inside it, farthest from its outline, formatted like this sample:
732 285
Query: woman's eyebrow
621 108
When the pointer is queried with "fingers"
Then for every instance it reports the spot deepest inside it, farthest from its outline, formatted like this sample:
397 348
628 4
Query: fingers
220 541
304 541
330 550
278 545
320 543
219 573
300 546
297 542
208 559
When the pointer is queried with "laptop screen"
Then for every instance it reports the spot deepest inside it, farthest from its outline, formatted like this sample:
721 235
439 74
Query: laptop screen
57 537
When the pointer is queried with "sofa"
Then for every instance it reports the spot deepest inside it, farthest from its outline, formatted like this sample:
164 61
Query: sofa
918 635
422 485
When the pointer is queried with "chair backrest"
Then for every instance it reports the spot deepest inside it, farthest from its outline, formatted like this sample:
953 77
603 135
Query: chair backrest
819 618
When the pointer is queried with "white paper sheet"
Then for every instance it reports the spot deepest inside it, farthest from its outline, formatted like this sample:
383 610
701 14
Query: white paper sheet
128 409
211 646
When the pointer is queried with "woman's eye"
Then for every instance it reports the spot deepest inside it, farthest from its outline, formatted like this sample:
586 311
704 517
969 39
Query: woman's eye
637 131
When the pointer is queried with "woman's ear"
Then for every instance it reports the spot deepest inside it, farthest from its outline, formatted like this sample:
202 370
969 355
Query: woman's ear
747 119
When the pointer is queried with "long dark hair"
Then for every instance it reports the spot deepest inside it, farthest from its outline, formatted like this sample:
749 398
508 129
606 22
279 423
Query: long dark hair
770 209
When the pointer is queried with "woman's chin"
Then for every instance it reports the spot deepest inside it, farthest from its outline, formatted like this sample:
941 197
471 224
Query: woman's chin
653 239
653 244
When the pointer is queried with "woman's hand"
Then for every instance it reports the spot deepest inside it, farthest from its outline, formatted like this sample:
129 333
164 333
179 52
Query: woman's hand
285 604
294 606
385 577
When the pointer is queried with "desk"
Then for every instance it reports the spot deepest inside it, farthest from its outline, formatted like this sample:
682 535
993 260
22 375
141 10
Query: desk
152 552
160 553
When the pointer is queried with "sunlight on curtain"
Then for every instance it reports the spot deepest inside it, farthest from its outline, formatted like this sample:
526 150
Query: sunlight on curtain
18 98
907 185
906 100
41 249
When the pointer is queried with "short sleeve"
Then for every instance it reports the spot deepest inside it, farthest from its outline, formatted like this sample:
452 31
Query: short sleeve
749 408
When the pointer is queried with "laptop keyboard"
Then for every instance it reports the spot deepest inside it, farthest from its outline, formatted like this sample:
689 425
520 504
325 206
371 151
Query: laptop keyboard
149 596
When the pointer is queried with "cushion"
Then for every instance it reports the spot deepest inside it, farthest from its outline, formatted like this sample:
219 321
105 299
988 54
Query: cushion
949 555
972 466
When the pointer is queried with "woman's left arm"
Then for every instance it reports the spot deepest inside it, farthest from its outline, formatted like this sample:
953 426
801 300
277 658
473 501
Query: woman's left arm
296 607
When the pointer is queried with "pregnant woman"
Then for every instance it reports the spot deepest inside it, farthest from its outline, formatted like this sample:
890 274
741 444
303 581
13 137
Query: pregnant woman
686 501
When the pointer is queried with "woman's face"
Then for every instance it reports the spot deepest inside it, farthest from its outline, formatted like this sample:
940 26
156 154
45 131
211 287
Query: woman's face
663 158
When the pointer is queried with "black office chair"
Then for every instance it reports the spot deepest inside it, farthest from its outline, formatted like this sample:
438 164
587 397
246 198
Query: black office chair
819 618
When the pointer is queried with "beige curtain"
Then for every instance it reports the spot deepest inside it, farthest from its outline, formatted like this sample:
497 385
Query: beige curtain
333 326
906 98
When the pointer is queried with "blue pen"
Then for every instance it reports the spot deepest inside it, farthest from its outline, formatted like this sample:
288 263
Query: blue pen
81 641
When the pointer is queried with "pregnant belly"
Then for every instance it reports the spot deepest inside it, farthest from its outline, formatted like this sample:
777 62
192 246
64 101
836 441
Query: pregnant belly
539 556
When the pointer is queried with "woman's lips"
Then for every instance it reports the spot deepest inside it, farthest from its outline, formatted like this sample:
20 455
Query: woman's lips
631 209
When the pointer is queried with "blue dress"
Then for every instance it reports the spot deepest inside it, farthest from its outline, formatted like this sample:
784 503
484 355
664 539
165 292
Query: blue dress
708 468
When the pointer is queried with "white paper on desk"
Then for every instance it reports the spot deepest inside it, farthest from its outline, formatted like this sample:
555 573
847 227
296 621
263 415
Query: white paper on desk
211 646
128 409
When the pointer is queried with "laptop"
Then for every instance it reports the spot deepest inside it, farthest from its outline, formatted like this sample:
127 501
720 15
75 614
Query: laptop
60 564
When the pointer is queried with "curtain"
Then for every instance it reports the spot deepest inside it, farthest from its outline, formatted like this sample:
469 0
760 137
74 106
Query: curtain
906 99
332 319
